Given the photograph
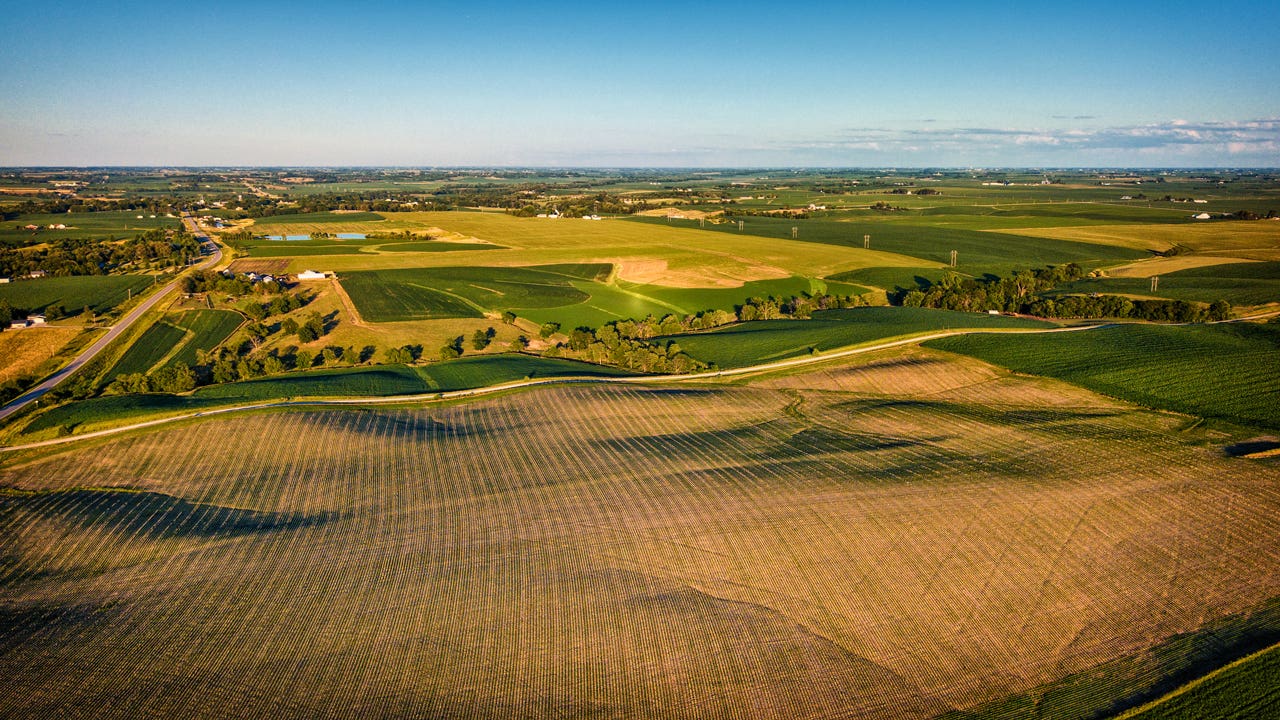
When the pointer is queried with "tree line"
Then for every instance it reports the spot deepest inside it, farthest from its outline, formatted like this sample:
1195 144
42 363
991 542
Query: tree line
71 256
1027 292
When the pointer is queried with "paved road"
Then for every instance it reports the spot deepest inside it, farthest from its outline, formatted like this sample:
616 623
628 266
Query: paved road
119 328
455 394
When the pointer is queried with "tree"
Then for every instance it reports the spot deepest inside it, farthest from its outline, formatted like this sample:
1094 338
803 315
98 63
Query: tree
312 329
1219 310
452 349
520 343
548 329
509 318
255 310
480 339
303 359
289 326
329 355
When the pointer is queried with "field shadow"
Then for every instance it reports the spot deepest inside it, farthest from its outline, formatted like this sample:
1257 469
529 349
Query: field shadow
156 515
1252 446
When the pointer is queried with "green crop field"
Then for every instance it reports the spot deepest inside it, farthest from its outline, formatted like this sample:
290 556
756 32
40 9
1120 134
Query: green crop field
1228 371
850 542
154 344
177 338
208 328
1251 283
765 341
429 293
100 293
87 225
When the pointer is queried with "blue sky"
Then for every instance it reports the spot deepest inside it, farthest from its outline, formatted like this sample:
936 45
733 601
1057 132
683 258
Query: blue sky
640 84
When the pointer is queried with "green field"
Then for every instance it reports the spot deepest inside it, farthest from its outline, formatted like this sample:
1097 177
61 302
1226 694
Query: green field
100 293
432 293
1227 371
153 345
978 252
177 338
765 341
434 246
892 278
572 295
316 218
1251 283
90 225
208 328
377 381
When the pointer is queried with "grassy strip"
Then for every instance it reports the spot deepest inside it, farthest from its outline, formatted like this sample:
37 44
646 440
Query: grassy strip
753 343
376 381
1227 371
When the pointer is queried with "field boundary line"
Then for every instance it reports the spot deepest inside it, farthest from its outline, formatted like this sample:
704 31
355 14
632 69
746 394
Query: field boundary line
1192 685
519 384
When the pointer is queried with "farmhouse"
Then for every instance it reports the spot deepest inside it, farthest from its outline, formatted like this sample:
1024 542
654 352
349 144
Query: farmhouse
1201 216
36 319
5 280
313 275
17 324
37 274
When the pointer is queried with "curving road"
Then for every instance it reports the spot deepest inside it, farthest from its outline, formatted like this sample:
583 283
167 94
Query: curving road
456 394
116 330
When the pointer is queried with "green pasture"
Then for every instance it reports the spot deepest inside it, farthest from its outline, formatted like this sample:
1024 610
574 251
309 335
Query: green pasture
433 246
89 225
1225 371
892 278
98 292
1251 283
764 341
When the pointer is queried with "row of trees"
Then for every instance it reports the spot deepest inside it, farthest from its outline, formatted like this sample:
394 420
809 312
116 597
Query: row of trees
1026 292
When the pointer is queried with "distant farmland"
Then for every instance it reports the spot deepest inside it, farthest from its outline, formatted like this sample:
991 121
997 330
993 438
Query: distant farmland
841 543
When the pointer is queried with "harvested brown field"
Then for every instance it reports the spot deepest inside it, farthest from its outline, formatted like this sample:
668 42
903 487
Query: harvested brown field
817 545
269 266
24 351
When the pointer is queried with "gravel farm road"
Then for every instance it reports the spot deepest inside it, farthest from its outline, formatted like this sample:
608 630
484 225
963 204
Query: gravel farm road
116 330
